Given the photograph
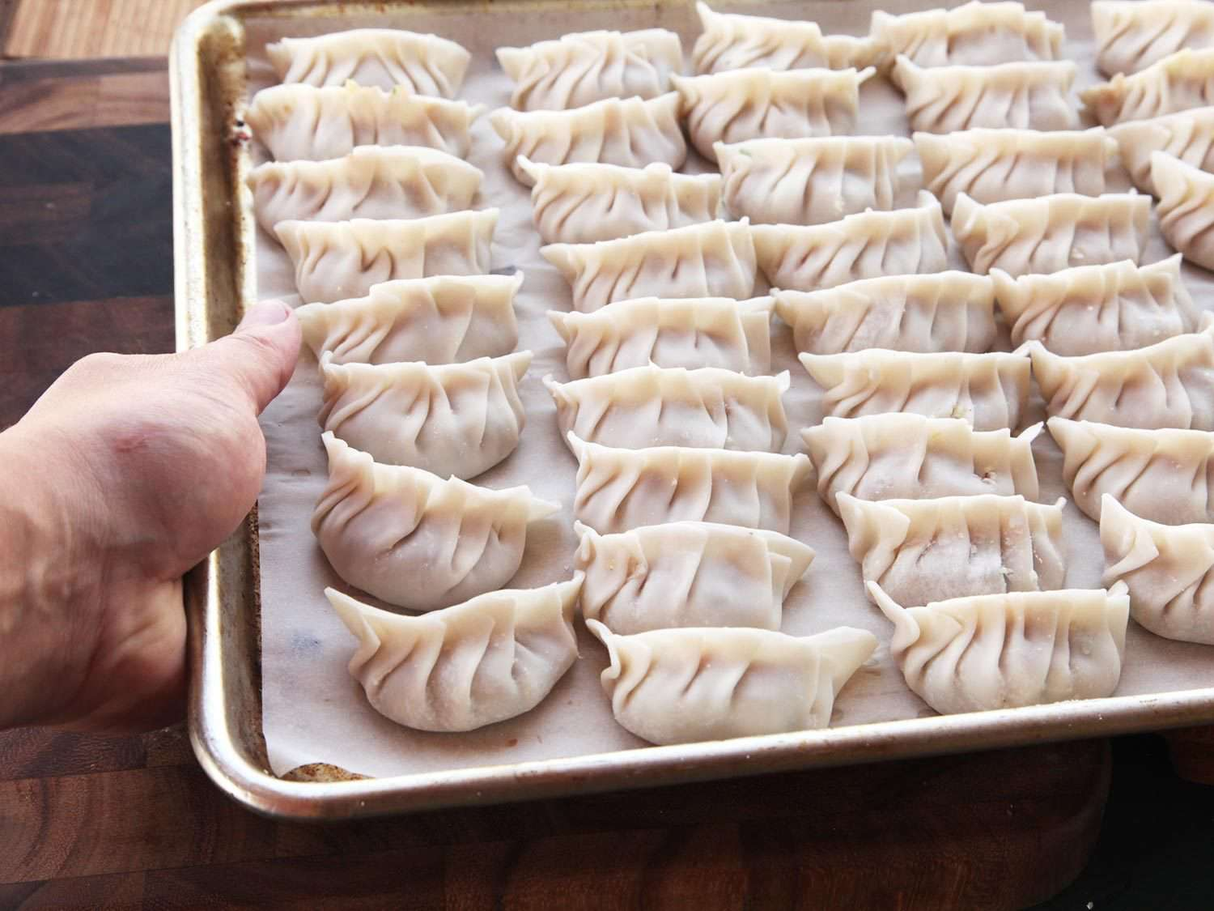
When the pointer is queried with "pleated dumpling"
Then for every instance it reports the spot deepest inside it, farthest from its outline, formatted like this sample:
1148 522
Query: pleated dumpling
415 540
1169 570
444 319
1022 96
912 457
1189 135
1131 35
1176 83
864 245
938 311
977 34
622 489
715 259
990 391
585 203
685 685
731 41
456 420
342 259
1168 384
381 57
692 332
1111 307
809 181
931 550
1005 651
370 182
756 103
302 121
1163 475
1051 233
584 67
671 406
994 165
1186 207
630 132
493 657
688 574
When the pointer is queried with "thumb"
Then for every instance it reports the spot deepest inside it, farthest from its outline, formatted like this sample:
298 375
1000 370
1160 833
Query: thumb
259 357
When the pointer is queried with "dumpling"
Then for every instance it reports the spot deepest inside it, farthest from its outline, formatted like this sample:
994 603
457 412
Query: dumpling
931 550
1176 83
622 489
1132 36
457 669
1021 96
301 121
1186 195
457 420
1168 384
632 133
754 103
1163 475
440 320
1189 135
1167 569
414 540
1111 307
695 332
940 311
688 574
715 259
343 259
684 685
809 181
1010 650
911 457
584 67
672 406
382 57
988 390
370 182
585 203
994 165
864 245
731 41
1051 233
975 34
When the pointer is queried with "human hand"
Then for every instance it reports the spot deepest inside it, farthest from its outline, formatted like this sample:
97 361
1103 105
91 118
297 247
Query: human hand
124 474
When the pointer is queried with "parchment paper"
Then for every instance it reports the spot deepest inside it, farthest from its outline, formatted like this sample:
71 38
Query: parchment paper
314 712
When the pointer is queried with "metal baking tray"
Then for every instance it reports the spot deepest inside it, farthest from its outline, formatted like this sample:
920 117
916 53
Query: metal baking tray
213 282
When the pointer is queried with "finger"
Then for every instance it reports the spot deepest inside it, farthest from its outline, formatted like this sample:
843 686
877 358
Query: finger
259 357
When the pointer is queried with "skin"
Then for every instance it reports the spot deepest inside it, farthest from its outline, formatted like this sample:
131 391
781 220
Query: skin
127 472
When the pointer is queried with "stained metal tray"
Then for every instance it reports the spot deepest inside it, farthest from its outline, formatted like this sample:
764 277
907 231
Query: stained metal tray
214 281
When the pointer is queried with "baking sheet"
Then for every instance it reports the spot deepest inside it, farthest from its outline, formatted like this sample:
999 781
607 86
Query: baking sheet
314 712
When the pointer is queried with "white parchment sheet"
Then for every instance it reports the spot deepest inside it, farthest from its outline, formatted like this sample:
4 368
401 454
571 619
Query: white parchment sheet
314 711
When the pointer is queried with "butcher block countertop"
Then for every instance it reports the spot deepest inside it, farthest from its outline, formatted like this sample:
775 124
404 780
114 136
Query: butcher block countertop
132 823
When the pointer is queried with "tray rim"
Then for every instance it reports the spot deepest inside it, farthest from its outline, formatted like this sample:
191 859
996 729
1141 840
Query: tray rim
226 759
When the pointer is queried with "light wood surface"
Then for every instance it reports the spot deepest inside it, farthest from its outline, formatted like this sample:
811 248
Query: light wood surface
85 29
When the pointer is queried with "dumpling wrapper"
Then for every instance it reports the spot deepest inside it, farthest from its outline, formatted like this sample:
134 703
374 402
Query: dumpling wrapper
415 540
686 685
1004 651
444 319
692 332
1189 135
383 57
688 574
1131 36
455 419
1186 207
1176 83
932 550
1168 569
490 658
975 34
911 457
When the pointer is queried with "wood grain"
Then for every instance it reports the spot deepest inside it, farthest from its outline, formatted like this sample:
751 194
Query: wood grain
85 29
